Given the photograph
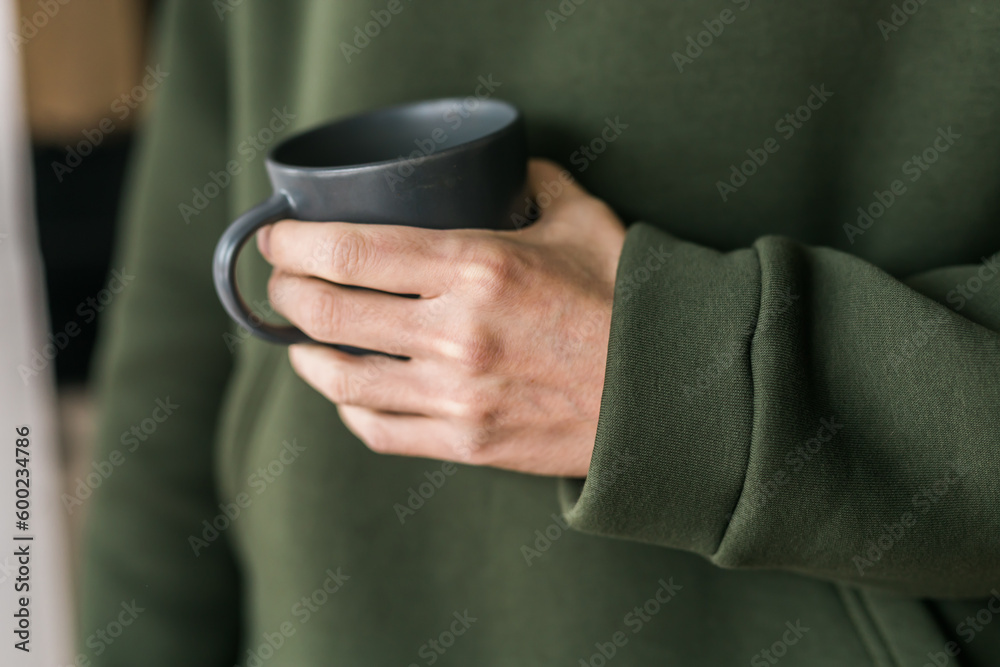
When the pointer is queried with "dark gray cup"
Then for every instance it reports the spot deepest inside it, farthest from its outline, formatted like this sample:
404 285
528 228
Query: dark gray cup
439 164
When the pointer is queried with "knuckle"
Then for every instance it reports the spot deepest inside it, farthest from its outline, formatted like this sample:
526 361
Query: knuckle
324 316
349 254
473 446
343 389
479 351
479 411
492 271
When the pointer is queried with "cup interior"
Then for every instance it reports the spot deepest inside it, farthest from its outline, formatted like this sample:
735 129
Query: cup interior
386 135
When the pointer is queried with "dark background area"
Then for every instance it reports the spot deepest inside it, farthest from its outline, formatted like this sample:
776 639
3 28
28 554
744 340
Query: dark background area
76 229
77 62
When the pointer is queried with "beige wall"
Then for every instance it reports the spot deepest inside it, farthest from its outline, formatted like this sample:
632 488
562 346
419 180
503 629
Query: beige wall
75 65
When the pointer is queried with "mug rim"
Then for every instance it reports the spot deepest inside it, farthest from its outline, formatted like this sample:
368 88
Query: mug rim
376 165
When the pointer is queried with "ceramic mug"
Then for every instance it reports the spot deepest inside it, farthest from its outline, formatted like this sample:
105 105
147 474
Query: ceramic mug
437 164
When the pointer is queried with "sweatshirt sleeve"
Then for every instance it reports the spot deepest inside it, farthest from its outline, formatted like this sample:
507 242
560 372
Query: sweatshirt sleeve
796 408
146 599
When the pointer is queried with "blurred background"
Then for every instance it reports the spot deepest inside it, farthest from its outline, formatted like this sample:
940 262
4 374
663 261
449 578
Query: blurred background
82 75
72 98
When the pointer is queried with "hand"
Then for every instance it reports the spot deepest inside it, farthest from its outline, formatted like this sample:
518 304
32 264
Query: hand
506 344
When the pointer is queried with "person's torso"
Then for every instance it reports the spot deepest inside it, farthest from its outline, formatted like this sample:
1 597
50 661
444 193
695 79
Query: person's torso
716 121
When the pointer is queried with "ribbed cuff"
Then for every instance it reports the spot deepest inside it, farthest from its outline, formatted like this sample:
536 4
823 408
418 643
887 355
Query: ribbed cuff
674 434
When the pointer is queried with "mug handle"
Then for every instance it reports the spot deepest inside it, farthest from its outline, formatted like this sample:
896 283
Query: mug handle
278 207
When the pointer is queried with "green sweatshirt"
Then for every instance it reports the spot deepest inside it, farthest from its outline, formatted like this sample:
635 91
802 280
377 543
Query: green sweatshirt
797 459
